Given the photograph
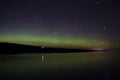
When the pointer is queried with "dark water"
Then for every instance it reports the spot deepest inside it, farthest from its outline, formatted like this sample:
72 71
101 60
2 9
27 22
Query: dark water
65 66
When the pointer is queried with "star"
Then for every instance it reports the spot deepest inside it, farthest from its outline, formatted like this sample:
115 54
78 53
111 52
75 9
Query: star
105 28
96 2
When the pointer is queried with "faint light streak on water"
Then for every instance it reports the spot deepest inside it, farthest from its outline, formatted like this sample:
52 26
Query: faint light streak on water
43 58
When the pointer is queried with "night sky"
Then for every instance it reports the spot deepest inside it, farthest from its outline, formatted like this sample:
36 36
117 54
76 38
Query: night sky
61 23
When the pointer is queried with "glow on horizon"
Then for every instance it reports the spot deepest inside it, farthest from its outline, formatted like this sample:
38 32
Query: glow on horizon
50 41
99 49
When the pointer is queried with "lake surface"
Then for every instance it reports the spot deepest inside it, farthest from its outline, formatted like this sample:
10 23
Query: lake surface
61 66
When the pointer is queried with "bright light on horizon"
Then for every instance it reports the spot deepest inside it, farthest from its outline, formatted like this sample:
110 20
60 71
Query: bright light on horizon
99 49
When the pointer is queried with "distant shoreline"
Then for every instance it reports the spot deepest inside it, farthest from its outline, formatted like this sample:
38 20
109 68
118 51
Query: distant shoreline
10 48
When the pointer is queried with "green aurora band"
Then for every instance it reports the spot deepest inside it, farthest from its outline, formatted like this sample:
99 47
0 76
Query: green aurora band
52 41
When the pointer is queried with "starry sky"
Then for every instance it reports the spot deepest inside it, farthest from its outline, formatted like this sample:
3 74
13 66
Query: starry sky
61 23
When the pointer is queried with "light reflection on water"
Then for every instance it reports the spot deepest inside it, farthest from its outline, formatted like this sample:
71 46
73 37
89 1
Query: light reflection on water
54 60
59 65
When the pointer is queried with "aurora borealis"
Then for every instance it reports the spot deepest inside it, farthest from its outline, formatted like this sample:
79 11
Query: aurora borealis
60 23
56 41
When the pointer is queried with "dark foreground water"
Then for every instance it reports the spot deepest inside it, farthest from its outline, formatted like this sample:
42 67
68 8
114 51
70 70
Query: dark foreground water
64 66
